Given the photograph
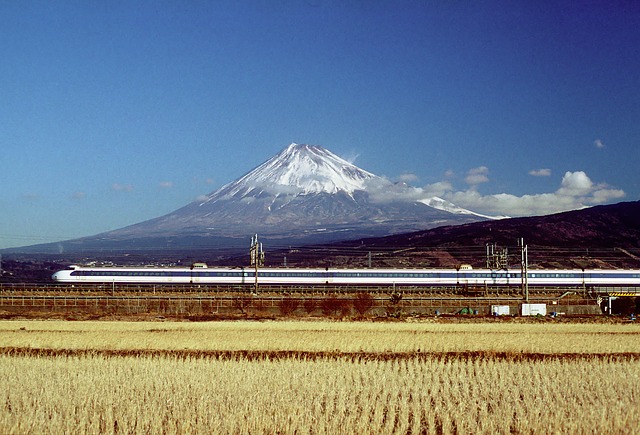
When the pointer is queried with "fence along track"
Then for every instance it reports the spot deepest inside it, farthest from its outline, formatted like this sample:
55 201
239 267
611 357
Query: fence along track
196 300
133 289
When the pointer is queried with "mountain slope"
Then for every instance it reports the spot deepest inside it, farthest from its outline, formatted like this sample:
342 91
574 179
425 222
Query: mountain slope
305 194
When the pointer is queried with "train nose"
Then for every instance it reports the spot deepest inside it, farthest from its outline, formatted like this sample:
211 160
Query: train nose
56 276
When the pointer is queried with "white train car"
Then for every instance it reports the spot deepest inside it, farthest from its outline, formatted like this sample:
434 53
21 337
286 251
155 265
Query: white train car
201 274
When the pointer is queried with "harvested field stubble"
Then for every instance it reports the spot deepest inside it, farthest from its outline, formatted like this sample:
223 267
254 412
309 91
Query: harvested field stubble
318 377
319 336
151 394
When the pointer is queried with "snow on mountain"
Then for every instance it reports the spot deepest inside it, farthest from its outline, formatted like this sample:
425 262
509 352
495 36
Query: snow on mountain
298 169
450 207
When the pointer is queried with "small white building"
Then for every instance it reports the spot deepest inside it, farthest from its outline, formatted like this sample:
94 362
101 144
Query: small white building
534 309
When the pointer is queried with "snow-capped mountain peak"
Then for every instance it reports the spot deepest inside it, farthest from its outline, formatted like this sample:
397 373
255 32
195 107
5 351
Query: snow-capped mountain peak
303 194
444 205
299 169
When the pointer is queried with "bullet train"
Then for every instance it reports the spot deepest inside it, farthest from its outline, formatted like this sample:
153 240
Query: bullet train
199 273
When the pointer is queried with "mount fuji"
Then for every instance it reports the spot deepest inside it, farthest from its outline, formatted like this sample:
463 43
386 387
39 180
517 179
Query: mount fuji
303 195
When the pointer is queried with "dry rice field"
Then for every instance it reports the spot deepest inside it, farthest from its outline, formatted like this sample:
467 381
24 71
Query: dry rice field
318 377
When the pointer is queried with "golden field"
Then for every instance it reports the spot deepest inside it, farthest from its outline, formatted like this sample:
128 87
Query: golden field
319 336
318 377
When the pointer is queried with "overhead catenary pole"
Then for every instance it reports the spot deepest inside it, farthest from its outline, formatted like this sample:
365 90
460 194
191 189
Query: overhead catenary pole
524 269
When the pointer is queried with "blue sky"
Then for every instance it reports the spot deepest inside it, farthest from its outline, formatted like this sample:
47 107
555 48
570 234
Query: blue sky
115 112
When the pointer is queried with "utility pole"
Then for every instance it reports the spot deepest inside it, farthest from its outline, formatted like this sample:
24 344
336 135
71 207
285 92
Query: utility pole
524 269
257 258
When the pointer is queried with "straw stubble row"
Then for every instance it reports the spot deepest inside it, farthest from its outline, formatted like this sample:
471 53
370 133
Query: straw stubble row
161 394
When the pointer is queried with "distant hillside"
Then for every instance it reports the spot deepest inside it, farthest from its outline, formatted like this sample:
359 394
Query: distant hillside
597 237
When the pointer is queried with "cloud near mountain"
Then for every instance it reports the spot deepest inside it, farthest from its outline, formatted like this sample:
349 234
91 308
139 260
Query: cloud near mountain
576 191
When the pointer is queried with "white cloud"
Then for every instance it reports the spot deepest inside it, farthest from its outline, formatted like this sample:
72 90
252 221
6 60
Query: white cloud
122 187
382 190
78 195
576 191
540 172
599 144
575 184
438 189
166 184
408 177
604 195
477 176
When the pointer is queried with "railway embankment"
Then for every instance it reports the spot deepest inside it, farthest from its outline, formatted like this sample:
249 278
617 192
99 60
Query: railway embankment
204 303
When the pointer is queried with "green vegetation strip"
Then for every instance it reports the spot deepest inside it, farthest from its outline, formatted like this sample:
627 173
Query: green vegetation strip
274 355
